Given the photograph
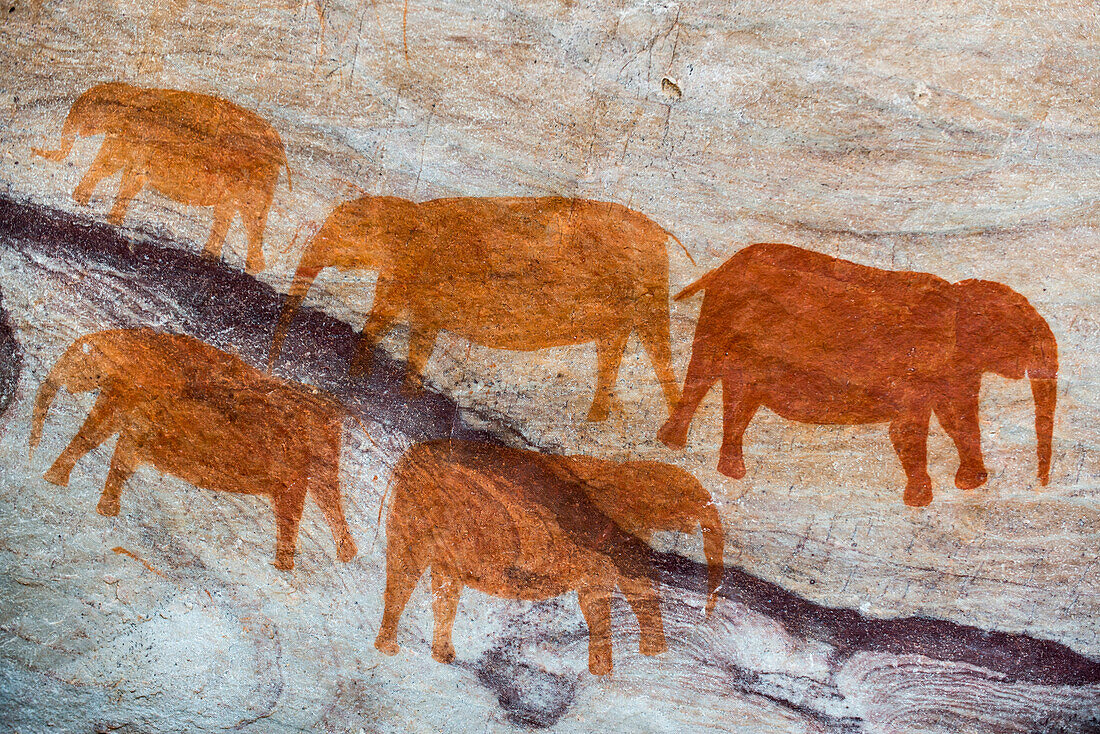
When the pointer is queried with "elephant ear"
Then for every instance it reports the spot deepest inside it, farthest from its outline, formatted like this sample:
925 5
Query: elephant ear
628 494
998 330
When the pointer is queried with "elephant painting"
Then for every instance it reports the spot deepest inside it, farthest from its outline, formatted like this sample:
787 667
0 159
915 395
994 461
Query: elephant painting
822 340
204 416
524 525
193 148
508 273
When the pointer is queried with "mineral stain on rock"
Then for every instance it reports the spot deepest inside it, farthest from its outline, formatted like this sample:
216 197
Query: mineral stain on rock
529 695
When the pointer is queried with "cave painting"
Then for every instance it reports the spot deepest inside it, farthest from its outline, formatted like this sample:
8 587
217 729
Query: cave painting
524 525
507 273
193 148
206 417
822 340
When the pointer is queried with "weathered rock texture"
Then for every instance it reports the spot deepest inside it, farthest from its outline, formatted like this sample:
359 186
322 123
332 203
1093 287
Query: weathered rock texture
956 138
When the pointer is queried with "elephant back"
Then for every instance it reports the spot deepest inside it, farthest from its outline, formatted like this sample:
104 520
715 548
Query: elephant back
506 519
203 127
529 273
261 419
805 311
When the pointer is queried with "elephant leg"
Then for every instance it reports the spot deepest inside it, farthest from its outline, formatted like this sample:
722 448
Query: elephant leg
653 332
326 493
124 463
960 419
132 183
446 589
223 217
254 216
609 354
421 344
288 504
596 607
402 573
738 408
642 597
378 323
909 434
107 163
100 424
701 376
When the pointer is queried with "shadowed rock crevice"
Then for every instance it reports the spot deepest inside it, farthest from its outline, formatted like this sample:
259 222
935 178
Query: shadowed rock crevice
11 361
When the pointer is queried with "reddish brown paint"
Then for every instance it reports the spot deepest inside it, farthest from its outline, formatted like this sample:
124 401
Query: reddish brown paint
822 340
205 416
526 525
193 148
508 273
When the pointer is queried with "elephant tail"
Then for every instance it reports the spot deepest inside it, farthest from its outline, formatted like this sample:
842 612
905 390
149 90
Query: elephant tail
682 247
308 270
695 287
68 137
42 402
286 165
386 491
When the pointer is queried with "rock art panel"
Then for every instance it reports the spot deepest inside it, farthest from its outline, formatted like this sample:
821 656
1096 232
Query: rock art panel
491 207
763 652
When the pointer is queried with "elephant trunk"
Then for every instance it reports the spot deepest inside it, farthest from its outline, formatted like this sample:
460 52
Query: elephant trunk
308 270
1043 372
42 402
713 548
1045 393
64 369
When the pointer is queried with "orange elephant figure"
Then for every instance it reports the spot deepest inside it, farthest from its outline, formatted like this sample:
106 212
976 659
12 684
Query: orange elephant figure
822 340
193 148
524 525
206 417
507 273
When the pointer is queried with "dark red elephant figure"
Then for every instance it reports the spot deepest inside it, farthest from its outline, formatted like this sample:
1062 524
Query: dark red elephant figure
822 340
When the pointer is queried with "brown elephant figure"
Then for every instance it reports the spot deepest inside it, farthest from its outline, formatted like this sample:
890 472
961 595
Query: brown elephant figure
524 525
822 340
206 417
193 148
507 273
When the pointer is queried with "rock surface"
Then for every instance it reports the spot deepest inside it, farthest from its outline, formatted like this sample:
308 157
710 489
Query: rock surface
956 138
